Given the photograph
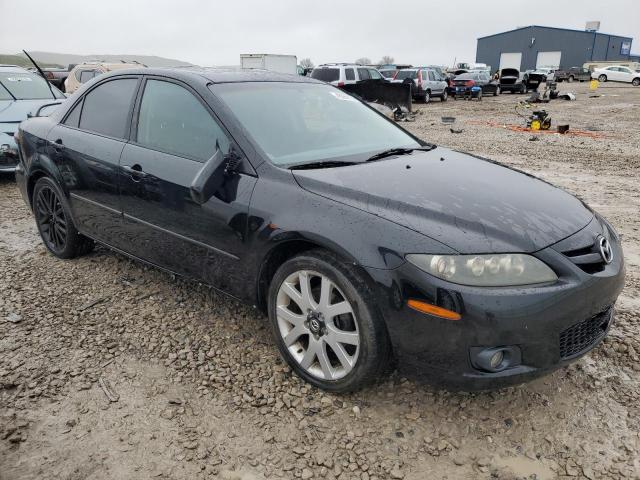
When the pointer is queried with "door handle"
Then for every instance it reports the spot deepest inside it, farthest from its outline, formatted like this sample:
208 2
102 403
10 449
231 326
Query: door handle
135 171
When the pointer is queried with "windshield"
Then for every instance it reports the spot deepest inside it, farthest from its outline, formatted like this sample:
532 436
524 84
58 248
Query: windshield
25 86
326 74
402 74
297 123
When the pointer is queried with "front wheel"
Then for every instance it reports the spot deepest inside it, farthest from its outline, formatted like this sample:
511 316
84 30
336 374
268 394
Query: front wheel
570 79
325 322
54 222
444 96
427 97
635 82
602 78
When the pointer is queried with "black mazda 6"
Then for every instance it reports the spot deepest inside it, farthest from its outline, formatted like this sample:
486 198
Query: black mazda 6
366 246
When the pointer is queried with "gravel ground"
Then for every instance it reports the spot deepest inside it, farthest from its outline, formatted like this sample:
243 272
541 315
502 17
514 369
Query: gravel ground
112 370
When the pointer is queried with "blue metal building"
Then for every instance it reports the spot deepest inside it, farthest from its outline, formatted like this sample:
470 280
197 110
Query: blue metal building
537 46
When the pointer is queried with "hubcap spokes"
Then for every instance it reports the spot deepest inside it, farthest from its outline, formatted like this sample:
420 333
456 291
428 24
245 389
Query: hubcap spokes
317 325
51 218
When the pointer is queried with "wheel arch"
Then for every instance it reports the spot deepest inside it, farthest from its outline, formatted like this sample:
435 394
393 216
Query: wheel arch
287 249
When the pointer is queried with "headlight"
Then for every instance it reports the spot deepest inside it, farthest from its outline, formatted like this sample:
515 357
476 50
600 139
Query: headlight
500 270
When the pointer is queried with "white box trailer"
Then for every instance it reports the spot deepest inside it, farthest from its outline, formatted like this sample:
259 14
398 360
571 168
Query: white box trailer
267 61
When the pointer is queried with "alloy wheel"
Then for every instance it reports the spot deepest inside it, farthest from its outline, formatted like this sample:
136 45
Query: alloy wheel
51 218
317 325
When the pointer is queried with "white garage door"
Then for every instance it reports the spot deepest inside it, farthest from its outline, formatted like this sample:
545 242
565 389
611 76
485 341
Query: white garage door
510 60
548 59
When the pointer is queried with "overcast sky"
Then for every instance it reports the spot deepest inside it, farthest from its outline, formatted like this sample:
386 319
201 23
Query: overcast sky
215 32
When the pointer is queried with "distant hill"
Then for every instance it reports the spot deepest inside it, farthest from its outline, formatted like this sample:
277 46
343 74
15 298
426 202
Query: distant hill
22 61
51 59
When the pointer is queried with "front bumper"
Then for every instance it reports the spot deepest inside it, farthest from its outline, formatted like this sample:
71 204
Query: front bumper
532 319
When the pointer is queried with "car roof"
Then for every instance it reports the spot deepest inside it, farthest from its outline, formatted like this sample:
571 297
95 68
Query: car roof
219 75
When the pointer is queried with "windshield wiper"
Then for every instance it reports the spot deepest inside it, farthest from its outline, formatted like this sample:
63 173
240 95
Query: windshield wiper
321 164
398 151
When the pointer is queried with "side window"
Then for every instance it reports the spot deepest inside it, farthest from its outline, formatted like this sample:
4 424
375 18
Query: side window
172 120
106 107
86 75
374 74
624 70
349 74
73 119
432 77
363 73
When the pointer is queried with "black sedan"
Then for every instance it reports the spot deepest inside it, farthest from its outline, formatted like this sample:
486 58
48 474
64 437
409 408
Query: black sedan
362 243
474 84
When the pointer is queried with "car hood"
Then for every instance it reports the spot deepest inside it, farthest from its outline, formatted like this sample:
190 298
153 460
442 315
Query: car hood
16 110
470 204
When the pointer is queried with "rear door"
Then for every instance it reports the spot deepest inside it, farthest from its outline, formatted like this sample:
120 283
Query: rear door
174 133
86 147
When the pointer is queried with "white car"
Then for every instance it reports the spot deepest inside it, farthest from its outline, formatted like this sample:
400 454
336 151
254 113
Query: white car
426 82
617 73
340 74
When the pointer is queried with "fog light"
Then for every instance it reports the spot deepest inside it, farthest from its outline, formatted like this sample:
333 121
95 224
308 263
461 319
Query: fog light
495 359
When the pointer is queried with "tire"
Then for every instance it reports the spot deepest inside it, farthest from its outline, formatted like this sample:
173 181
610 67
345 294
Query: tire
444 96
427 97
308 342
602 78
55 224
635 82
570 79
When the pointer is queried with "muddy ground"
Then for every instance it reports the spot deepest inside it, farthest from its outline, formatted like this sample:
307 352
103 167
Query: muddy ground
200 392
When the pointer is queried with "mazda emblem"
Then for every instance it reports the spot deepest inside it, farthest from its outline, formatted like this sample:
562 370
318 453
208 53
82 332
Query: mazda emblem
605 249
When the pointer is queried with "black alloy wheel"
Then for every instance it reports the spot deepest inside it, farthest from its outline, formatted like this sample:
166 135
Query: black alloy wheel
54 221
51 218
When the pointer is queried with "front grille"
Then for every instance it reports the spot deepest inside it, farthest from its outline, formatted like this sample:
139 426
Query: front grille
588 258
581 336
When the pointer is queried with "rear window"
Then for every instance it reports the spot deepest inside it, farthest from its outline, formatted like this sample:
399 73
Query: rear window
326 74
388 73
349 74
402 74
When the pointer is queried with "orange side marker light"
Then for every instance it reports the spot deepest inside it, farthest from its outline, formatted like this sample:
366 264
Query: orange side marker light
424 307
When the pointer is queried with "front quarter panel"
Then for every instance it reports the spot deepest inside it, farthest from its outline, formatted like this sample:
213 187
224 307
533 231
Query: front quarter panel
282 211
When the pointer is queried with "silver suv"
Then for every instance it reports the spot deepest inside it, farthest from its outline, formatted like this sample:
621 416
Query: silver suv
426 82
340 74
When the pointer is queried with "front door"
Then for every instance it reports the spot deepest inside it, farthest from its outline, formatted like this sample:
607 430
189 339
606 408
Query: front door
86 148
174 134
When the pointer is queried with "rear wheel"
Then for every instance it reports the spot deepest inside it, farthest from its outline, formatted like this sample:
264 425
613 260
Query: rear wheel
635 82
444 96
325 322
570 79
602 78
427 97
54 222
